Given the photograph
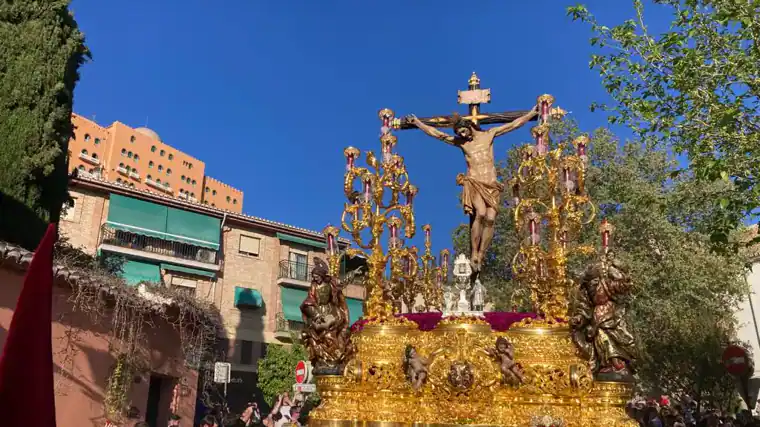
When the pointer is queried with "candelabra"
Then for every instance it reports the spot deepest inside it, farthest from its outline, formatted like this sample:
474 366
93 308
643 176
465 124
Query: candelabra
374 208
548 193
432 277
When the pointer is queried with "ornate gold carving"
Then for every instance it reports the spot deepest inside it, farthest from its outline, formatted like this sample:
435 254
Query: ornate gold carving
464 383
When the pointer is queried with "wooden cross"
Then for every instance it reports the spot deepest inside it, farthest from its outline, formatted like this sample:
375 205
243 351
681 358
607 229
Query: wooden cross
473 97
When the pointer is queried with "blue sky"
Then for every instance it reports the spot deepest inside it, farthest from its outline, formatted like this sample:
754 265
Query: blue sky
268 93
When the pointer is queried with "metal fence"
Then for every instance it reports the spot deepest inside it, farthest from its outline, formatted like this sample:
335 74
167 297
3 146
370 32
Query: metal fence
155 245
295 270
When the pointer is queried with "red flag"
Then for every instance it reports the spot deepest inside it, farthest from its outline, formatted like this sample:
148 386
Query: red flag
27 397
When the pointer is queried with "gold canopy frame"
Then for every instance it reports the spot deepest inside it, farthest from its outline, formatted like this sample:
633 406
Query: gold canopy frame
465 386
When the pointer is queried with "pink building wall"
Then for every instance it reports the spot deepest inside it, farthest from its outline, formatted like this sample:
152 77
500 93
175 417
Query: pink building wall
81 373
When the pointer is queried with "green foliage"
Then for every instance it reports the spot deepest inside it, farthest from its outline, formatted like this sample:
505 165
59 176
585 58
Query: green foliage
681 309
277 370
694 89
41 50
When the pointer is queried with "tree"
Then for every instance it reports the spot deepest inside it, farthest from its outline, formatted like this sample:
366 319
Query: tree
693 88
277 369
682 307
41 49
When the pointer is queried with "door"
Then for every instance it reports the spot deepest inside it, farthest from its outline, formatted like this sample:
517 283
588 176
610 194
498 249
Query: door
299 267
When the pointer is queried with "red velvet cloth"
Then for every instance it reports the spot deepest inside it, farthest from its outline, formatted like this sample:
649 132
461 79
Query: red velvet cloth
500 321
26 364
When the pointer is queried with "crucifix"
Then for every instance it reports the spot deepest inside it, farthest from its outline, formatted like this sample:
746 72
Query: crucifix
481 189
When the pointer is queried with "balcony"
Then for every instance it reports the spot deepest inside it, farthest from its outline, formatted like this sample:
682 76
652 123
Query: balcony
287 330
134 175
89 159
137 245
122 171
294 273
159 186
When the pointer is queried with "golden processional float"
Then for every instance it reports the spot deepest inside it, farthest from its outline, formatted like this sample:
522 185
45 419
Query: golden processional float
567 365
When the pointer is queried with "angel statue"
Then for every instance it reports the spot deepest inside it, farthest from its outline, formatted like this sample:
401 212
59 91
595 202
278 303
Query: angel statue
598 319
325 314
504 354
415 367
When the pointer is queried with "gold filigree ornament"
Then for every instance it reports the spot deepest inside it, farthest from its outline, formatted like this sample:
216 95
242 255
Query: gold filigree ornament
463 382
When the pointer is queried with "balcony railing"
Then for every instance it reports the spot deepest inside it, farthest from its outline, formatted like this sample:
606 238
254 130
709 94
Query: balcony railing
295 270
155 245
89 159
285 326
134 175
122 171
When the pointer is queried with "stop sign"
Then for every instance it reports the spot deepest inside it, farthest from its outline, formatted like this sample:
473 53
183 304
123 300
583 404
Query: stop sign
736 360
302 372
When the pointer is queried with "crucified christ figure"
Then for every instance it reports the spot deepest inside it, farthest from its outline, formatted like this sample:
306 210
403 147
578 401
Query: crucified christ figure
481 188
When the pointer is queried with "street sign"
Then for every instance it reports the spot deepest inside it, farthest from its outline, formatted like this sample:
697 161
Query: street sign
736 360
303 372
222 372
304 388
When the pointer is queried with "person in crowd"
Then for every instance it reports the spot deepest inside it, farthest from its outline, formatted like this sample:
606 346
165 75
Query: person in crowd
209 421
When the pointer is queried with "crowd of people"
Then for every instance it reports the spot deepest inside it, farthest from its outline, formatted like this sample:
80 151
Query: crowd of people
686 413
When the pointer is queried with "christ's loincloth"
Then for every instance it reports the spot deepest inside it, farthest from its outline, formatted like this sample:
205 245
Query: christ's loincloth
471 188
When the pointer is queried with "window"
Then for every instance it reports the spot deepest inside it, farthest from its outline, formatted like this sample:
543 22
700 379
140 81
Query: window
70 210
97 141
228 199
192 194
94 155
118 180
149 177
188 180
150 164
161 153
190 165
171 156
213 205
249 245
131 185
158 181
182 177
208 189
234 201
213 193
81 167
153 149
169 171
246 352
160 168
137 157
193 183
127 168
134 170
86 137
84 151
132 138
123 151
129 154
121 165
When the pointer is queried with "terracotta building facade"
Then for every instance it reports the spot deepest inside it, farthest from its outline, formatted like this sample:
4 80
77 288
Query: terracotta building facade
255 271
139 159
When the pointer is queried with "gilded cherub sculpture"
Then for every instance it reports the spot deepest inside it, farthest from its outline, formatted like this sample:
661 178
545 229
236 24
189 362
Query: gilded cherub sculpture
504 354
598 319
325 313
415 367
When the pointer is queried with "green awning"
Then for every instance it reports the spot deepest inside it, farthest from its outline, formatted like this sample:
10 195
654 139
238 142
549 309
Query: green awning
301 241
355 309
134 272
137 216
153 220
246 297
188 270
193 228
291 303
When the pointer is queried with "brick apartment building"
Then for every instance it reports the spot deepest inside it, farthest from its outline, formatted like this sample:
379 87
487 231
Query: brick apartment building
139 159
254 270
